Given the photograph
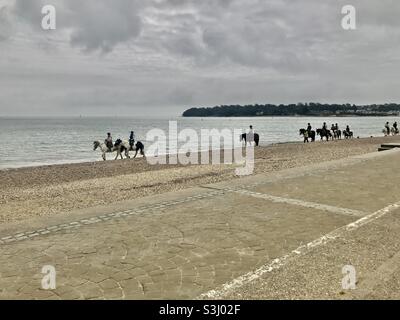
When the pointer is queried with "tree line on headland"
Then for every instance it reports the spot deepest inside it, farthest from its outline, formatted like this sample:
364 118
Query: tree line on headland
299 109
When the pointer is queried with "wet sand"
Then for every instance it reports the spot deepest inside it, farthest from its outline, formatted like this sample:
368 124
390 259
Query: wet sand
49 190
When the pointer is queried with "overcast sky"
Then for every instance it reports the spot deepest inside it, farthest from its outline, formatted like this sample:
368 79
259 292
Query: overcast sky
159 57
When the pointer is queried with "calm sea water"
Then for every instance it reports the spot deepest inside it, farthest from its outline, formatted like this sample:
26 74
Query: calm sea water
32 142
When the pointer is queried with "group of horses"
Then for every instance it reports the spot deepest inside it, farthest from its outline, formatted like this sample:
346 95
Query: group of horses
393 131
122 147
125 147
325 133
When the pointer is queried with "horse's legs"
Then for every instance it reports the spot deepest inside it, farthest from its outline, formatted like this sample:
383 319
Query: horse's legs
104 156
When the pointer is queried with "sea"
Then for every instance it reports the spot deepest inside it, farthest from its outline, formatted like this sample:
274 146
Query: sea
28 142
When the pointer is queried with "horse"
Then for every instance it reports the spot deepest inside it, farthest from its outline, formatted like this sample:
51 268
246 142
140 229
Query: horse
393 131
139 147
324 133
348 134
385 132
337 134
256 138
310 135
122 147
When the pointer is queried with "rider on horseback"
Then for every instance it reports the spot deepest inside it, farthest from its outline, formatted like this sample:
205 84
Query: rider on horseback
132 140
250 135
309 128
109 142
117 142
387 127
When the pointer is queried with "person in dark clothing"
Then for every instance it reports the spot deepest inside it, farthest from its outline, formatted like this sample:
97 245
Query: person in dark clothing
387 127
109 142
395 127
132 139
309 128
117 142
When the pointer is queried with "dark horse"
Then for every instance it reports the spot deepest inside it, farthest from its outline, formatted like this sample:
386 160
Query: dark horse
348 134
311 135
324 133
256 138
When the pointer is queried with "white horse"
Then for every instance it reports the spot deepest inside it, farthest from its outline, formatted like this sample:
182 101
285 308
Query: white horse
124 146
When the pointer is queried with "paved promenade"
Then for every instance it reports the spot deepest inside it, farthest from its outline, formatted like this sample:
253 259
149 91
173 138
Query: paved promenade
281 235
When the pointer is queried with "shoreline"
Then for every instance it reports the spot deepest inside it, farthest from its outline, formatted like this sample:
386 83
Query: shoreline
87 162
62 189
303 116
83 161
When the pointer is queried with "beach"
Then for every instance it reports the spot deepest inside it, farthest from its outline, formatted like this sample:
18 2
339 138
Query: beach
51 190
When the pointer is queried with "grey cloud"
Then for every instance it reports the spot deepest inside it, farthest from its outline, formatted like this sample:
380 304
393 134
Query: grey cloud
6 28
93 24
175 53
114 22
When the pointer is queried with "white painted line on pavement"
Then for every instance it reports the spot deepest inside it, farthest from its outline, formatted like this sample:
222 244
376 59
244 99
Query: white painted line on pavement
249 277
301 203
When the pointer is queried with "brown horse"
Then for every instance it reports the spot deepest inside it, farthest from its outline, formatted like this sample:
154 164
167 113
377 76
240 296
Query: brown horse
324 133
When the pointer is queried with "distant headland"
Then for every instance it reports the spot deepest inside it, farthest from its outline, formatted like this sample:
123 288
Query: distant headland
299 109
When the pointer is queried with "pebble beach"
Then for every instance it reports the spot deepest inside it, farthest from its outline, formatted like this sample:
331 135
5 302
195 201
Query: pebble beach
49 190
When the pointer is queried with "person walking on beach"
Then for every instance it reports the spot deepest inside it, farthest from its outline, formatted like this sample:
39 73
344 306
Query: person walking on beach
109 142
306 136
396 131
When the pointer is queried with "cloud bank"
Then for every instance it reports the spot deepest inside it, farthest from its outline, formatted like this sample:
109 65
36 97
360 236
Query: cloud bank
162 56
